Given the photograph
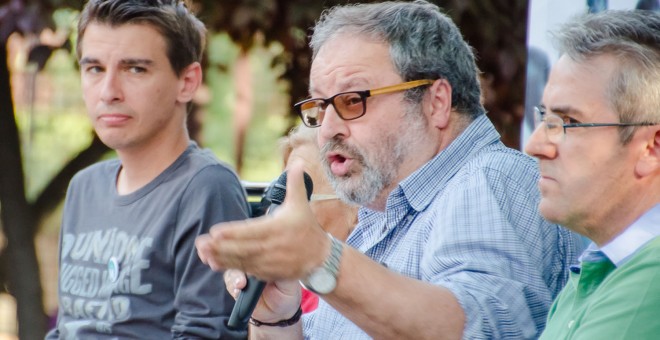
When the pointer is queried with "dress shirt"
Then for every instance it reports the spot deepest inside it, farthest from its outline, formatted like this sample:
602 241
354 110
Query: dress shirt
467 220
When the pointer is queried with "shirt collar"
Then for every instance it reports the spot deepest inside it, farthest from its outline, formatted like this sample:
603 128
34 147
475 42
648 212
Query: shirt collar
441 168
644 229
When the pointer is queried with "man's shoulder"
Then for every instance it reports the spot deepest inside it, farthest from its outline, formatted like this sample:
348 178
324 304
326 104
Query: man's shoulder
624 305
501 157
645 259
203 162
498 173
102 169
204 157
205 175
502 162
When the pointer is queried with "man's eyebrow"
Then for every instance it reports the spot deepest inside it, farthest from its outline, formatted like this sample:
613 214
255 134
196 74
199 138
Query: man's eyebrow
123 62
559 109
136 61
88 60
566 110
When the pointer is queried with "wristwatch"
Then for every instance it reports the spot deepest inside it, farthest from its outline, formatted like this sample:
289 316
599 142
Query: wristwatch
323 280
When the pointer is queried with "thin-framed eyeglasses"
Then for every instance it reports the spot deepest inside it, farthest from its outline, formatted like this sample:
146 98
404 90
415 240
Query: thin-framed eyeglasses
348 105
323 197
555 126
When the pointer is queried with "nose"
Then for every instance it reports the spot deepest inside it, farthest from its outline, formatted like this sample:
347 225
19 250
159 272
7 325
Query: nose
332 126
111 89
539 145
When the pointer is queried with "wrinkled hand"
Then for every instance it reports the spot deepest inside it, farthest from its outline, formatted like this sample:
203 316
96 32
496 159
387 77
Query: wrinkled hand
285 245
278 301
280 248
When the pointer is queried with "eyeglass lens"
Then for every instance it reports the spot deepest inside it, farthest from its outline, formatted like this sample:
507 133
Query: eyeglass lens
554 125
348 106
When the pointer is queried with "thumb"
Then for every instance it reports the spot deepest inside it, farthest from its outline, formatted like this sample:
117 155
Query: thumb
295 183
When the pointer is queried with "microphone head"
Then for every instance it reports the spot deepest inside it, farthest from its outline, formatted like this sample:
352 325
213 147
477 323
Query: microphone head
277 192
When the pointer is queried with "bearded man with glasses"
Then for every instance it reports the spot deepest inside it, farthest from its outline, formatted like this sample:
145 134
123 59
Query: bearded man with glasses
449 242
598 144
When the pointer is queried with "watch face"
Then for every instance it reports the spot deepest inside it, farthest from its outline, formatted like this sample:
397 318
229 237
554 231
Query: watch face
321 281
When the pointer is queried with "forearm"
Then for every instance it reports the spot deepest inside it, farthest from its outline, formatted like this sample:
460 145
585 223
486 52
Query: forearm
412 309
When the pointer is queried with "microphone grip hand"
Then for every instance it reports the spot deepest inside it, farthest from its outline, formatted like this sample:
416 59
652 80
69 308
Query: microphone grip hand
245 304
251 293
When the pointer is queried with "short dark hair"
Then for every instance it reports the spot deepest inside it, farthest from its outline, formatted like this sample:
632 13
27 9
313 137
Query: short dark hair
184 33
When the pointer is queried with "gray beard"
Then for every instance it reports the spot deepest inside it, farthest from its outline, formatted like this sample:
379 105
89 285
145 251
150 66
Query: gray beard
378 169
363 184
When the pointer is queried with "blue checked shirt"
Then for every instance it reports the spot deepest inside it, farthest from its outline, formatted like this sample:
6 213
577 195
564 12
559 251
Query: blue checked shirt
468 221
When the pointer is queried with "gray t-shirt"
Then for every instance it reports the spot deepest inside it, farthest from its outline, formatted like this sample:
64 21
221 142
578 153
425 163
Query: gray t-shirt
128 263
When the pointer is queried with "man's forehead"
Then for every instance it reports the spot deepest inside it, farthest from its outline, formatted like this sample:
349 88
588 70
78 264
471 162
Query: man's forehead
133 43
350 51
579 88
145 33
342 84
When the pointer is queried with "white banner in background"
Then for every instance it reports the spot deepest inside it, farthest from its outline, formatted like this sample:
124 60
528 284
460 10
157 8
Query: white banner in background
545 16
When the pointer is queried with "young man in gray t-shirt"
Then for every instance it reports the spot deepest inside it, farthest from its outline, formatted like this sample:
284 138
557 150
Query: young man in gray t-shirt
128 267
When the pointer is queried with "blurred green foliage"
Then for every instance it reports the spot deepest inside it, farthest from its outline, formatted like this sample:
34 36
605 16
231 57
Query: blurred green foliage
268 109
54 126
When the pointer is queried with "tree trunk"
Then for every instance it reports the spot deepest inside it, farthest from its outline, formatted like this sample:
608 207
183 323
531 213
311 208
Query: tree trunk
18 220
243 108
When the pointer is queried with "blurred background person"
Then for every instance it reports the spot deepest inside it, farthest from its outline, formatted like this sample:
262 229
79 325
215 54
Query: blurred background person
333 215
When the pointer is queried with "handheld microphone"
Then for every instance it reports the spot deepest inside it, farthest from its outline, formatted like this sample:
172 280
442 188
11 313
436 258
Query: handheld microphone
249 296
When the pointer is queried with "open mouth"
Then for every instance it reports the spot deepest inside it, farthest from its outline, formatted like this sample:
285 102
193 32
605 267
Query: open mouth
337 158
339 164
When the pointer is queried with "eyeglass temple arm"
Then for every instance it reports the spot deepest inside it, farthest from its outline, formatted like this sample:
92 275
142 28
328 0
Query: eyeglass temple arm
399 87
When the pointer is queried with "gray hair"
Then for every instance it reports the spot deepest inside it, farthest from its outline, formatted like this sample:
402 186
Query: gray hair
424 44
633 37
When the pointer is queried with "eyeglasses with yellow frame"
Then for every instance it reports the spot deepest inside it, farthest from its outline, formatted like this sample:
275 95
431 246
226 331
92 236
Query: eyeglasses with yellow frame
348 105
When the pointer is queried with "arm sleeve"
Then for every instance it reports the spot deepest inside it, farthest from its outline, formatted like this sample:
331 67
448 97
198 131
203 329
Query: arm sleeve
483 252
202 303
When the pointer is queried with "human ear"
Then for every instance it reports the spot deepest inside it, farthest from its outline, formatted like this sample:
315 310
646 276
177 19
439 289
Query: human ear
649 161
440 103
189 80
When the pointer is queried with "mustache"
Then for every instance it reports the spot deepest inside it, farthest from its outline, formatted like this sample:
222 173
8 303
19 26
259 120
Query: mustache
339 146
